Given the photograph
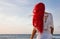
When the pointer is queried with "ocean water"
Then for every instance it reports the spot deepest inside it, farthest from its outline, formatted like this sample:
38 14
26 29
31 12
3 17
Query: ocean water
23 36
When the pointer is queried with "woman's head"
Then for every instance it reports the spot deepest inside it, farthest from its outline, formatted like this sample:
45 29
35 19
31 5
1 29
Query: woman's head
38 16
40 7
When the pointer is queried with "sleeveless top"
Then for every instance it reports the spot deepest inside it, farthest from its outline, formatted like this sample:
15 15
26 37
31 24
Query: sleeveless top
47 23
46 29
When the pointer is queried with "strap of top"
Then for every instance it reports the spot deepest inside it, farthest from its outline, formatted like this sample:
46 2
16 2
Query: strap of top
46 18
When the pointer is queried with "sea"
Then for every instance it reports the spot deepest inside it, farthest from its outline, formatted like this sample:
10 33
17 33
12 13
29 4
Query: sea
23 36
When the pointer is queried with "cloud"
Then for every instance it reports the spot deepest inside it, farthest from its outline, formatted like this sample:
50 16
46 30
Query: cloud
9 12
13 24
22 1
17 2
12 17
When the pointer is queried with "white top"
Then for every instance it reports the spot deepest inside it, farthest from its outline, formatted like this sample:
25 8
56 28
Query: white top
48 23
46 30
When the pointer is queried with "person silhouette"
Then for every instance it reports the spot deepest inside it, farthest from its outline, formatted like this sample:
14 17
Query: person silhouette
42 23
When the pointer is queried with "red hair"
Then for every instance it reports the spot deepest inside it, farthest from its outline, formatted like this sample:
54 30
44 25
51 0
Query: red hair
38 16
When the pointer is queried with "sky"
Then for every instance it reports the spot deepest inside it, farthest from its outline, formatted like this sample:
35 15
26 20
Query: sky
16 15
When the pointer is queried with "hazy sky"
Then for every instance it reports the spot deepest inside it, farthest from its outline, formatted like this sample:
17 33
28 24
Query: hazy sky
15 15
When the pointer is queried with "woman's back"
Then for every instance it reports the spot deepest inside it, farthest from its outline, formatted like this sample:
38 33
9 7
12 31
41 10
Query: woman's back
46 30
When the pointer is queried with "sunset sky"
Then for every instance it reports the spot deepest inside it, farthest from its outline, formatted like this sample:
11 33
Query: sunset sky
16 15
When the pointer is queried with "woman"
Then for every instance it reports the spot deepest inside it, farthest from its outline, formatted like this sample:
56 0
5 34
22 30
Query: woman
42 22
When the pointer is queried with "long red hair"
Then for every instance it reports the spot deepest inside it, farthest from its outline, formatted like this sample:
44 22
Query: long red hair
38 16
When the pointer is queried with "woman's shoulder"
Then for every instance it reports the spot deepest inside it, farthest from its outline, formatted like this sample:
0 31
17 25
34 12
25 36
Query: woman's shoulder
48 13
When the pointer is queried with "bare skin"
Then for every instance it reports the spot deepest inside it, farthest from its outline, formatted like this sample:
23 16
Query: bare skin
52 30
33 33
